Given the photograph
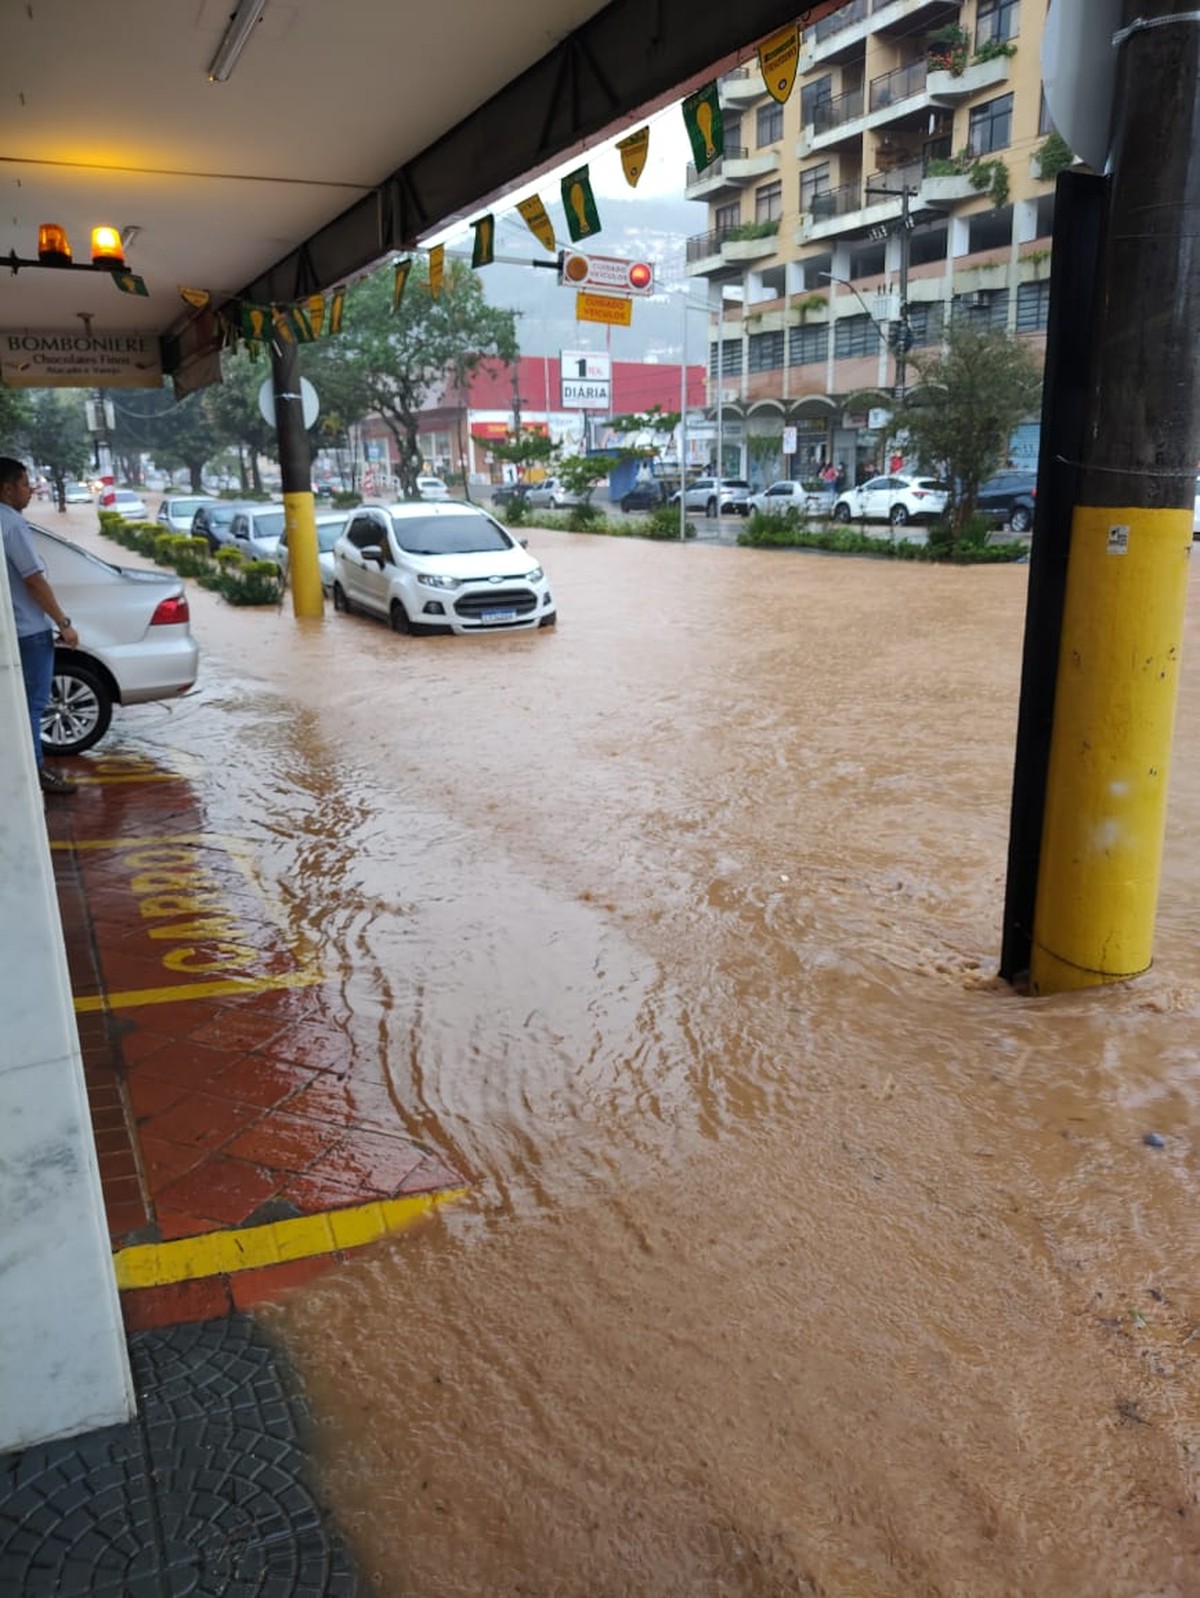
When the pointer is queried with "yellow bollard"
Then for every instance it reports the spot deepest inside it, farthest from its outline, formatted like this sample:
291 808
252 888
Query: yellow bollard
1114 715
300 530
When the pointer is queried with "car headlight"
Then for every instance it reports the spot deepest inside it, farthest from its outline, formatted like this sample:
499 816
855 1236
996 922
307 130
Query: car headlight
535 576
435 580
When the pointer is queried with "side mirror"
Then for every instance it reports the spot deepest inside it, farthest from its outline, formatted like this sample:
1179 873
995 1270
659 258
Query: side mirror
524 543
374 554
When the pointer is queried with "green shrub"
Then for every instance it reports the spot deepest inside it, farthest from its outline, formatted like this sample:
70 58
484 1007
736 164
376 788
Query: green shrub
346 500
663 523
228 557
189 556
251 582
515 512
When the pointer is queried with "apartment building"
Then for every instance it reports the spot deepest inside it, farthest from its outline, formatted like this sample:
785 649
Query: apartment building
907 180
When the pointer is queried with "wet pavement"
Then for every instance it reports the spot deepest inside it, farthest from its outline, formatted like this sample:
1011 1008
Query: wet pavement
798 1255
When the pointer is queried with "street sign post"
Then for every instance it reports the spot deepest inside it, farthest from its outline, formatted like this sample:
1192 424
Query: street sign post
606 273
614 310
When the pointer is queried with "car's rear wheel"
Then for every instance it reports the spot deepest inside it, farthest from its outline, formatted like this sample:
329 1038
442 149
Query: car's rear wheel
398 617
711 508
841 511
79 712
898 516
1020 521
340 602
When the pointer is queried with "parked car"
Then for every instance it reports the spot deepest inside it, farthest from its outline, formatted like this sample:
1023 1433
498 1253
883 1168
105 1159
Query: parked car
1008 499
550 494
898 498
257 530
649 494
135 642
432 488
177 512
807 498
430 568
77 494
212 521
330 526
732 494
129 506
508 493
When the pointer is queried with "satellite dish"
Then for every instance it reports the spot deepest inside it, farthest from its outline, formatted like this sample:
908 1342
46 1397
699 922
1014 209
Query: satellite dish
309 400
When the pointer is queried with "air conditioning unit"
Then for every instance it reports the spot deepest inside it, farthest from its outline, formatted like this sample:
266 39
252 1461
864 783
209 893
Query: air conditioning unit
979 299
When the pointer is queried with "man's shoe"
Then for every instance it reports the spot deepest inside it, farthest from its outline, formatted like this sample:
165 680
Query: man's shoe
52 783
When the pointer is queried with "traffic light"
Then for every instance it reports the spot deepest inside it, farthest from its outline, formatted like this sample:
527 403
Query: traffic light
604 274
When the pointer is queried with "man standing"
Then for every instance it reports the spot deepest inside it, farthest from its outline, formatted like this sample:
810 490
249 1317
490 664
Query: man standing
36 611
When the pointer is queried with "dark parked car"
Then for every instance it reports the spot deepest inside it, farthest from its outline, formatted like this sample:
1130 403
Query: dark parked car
506 493
1008 498
212 521
644 496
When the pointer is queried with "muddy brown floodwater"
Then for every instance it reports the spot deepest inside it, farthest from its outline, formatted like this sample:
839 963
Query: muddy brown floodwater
804 1257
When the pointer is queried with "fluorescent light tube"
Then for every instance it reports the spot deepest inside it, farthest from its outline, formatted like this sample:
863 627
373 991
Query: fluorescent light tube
241 25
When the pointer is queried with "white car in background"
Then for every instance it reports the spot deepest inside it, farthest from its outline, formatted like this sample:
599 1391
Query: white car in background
177 510
257 530
135 642
807 499
330 526
550 494
898 498
432 488
129 506
439 569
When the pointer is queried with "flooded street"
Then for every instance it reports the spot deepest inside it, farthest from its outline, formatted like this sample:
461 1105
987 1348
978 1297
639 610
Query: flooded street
803 1256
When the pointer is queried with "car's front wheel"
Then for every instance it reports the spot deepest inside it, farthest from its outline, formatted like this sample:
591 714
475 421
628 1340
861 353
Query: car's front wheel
841 511
898 516
398 617
1020 521
79 712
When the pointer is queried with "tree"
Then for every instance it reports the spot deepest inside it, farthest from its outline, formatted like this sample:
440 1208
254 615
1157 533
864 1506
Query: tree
579 475
525 448
177 434
428 347
972 396
651 430
57 437
231 407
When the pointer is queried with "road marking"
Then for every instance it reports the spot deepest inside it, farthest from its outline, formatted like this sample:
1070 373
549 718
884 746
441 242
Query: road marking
131 998
249 1248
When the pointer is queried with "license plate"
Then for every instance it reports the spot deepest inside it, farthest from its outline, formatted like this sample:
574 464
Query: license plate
498 615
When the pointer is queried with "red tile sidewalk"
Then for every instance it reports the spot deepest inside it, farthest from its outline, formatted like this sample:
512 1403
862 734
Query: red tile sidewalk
220 1110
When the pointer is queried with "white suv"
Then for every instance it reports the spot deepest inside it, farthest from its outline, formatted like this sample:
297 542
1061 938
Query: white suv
444 567
732 494
898 499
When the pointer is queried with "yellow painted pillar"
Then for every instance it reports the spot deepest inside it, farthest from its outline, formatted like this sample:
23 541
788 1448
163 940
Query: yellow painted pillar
1110 748
304 569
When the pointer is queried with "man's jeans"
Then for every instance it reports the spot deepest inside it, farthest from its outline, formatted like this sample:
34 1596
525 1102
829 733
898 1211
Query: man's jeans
37 668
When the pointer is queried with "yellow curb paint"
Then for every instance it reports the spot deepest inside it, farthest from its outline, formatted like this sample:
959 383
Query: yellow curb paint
132 998
114 782
250 1248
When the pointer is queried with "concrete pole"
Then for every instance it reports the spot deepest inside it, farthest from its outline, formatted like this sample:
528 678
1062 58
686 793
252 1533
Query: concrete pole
295 470
1131 531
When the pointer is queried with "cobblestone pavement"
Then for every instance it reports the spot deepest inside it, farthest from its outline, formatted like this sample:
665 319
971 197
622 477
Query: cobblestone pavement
206 1492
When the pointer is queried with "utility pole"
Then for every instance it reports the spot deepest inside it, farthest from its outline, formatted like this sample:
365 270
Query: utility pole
295 470
1131 529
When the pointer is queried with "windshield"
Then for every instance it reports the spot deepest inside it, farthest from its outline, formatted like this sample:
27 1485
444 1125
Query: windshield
268 524
448 535
328 535
185 507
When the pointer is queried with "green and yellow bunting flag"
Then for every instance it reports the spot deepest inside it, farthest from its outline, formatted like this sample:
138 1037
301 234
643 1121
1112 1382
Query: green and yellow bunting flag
483 251
131 283
778 58
337 305
255 320
199 298
315 308
400 283
702 117
437 269
580 205
634 151
537 221
292 324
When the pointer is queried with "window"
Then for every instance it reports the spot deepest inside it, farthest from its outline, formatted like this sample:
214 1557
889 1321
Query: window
1045 121
814 181
987 309
727 216
811 95
365 531
765 352
808 346
991 126
855 335
1033 307
768 202
731 366
770 124
732 128
997 20
925 319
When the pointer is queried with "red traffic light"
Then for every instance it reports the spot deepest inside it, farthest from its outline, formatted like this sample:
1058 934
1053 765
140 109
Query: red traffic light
641 275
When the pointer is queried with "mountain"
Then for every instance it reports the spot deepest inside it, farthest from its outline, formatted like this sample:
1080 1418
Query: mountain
654 230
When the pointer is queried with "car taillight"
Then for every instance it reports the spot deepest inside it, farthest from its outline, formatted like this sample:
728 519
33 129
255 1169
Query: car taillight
170 612
919 493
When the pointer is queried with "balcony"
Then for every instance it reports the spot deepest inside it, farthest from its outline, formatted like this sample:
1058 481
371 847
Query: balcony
733 170
834 36
893 88
707 253
742 86
896 97
948 88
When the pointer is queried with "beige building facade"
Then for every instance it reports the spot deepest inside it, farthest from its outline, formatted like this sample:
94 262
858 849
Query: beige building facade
908 179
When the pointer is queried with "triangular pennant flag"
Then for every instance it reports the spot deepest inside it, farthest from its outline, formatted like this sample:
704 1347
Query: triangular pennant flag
314 308
298 323
437 268
702 117
337 304
282 324
403 268
131 283
483 251
254 321
197 297
778 58
537 221
634 151
580 205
